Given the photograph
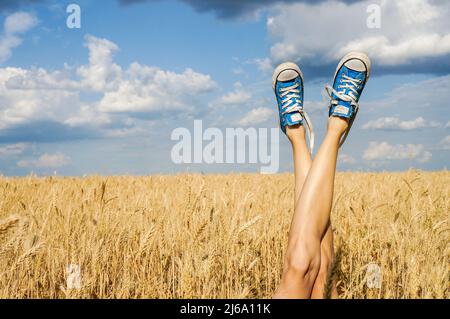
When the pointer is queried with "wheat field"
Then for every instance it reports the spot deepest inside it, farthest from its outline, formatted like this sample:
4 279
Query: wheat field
215 236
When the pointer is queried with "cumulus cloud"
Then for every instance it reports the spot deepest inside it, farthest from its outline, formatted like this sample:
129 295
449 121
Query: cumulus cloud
412 33
256 116
46 161
433 93
21 106
395 123
152 89
444 144
15 25
101 73
346 159
239 96
36 94
263 64
382 151
12 149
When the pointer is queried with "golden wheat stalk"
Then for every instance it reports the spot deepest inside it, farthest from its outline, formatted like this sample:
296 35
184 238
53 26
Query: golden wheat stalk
216 236
8 224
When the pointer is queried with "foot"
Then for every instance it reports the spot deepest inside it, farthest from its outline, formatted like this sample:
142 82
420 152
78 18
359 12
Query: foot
287 83
350 79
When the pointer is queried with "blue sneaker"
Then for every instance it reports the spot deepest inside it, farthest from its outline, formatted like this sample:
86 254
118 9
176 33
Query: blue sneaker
351 76
287 83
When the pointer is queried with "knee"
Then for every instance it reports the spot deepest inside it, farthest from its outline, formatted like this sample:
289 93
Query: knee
302 264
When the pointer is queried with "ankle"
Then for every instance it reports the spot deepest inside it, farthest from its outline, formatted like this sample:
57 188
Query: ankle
337 125
296 134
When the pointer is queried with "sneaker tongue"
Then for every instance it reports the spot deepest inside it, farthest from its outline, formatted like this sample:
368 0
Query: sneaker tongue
343 108
293 118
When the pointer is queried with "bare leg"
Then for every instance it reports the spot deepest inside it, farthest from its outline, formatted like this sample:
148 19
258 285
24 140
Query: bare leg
326 262
302 157
311 219
302 164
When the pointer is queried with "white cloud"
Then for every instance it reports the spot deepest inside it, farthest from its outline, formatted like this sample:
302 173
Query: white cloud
257 116
14 25
431 94
382 151
20 106
386 52
447 125
263 64
394 123
444 144
46 161
239 96
12 149
410 30
346 159
125 132
87 115
37 94
102 73
152 89
238 71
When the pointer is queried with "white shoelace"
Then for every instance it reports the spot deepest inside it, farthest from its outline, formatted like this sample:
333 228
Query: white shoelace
291 102
290 99
346 83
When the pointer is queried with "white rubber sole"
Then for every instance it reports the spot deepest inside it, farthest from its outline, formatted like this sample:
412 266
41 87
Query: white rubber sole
355 55
282 67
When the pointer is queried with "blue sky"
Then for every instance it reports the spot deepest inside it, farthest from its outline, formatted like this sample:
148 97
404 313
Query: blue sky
105 98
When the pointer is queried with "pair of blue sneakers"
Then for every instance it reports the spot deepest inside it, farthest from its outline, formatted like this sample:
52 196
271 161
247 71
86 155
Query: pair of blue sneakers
351 76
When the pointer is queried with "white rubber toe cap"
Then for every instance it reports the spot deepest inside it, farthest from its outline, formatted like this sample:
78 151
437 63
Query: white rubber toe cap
285 72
